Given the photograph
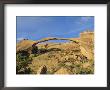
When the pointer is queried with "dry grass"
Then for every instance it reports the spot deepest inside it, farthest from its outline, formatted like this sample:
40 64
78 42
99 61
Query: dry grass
63 58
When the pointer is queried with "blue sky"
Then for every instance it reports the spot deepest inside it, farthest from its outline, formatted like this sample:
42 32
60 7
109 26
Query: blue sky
38 27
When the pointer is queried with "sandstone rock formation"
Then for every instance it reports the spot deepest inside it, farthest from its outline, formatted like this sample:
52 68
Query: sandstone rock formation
42 70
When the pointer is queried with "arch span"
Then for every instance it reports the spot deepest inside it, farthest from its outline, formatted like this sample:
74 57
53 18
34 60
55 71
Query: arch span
53 38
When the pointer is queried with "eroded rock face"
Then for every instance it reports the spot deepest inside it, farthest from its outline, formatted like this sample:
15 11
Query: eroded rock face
87 44
42 70
86 53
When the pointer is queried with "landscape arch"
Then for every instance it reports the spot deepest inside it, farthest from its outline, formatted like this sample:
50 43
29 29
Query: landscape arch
47 39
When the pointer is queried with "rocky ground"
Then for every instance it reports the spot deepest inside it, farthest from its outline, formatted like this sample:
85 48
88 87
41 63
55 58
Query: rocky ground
56 58
65 58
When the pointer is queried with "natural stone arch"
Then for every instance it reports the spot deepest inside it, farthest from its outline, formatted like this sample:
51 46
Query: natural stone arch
52 38
33 48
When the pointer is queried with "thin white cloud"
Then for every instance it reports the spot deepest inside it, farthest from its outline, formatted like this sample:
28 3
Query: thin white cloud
19 39
85 19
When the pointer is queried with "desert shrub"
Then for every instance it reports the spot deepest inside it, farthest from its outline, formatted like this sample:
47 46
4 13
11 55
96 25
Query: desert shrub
85 67
23 53
54 49
86 70
50 72
83 61
61 64
22 64
34 50
35 55
42 51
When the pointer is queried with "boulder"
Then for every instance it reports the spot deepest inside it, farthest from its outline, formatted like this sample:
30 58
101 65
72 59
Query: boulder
42 70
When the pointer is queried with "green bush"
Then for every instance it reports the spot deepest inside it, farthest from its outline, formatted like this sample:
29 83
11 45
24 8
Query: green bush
22 62
34 50
86 71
